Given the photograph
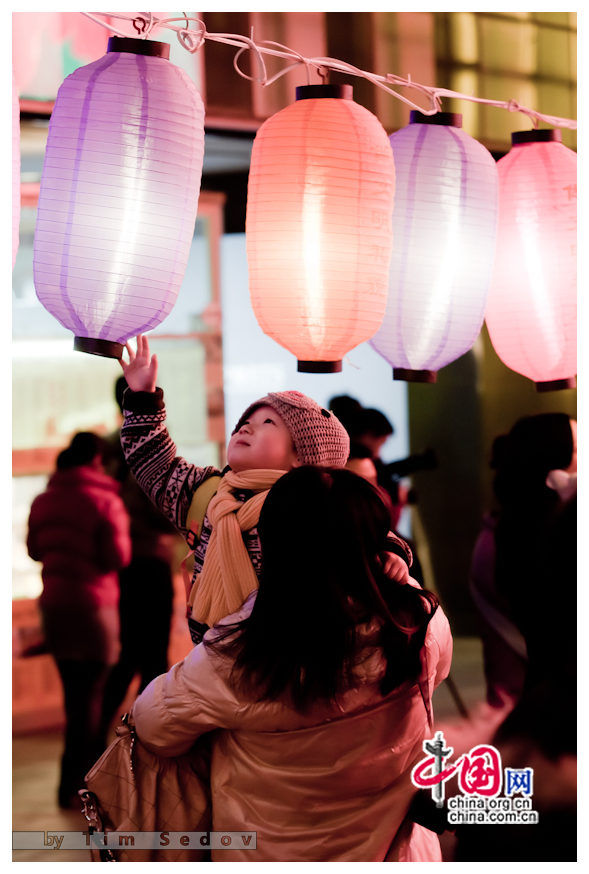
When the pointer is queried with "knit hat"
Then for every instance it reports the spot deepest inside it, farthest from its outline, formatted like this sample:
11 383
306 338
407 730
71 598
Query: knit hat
317 435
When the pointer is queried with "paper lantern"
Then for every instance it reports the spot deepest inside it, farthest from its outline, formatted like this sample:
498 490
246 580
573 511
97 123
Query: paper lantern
532 309
118 195
444 229
318 225
15 170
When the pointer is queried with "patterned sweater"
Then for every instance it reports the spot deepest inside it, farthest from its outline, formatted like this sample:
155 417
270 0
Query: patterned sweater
170 481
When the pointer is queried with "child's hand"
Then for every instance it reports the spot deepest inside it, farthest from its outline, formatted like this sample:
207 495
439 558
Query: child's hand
141 370
394 567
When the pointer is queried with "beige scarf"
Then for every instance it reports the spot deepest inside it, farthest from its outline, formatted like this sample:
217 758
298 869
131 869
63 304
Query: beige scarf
228 576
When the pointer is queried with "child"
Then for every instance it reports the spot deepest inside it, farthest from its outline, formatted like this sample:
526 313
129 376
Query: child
275 434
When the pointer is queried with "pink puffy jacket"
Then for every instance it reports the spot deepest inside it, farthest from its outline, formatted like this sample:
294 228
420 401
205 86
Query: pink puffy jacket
330 785
79 529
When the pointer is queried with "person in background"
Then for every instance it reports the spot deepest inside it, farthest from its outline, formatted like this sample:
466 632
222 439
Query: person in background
369 428
317 691
362 463
146 583
506 566
365 425
79 529
535 568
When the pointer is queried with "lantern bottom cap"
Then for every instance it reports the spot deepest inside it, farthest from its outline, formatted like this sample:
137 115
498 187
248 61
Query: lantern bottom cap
105 348
557 384
415 375
319 366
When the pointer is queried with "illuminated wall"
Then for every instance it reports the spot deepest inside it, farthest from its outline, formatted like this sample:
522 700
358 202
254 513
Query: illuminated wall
529 57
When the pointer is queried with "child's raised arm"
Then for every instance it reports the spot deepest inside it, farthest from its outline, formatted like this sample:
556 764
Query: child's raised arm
169 480
141 370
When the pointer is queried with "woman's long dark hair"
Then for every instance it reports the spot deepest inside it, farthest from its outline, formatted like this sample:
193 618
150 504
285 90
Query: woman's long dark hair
321 531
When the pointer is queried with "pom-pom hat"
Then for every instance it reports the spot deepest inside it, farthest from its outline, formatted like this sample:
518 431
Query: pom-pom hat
318 436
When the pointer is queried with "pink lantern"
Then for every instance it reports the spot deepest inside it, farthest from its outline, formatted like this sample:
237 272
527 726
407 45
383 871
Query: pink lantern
444 227
318 225
532 309
15 170
118 195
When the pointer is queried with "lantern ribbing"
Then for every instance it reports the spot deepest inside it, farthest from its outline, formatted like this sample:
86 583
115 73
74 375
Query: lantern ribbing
444 226
318 226
118 196
531 312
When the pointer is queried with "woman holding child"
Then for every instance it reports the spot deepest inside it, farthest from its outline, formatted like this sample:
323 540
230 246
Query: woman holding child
318 685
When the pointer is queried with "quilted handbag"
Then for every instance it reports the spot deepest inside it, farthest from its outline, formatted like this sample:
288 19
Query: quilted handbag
130 789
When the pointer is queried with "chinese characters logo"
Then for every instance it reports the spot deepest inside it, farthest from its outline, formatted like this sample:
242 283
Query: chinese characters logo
479 771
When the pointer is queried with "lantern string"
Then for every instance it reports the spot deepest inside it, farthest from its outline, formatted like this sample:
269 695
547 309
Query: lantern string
192 38
262 78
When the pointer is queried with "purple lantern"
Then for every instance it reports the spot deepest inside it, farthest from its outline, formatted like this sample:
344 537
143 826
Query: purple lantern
119 194
444 233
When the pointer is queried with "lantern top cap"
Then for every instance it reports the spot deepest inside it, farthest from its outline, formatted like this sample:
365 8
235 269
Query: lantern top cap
309 92
139 47
449 119
536 136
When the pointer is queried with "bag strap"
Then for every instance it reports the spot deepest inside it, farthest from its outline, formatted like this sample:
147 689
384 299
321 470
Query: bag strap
90 804
194 520
423 684
91 811
198 508
422 809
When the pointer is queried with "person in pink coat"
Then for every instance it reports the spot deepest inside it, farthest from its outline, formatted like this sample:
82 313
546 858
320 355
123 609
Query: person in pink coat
317 691
79 530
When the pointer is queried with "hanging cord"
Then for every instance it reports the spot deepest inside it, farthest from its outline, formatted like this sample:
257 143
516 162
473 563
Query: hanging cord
192 38
143 25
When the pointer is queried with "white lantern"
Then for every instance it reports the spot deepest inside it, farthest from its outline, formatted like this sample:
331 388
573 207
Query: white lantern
444 227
